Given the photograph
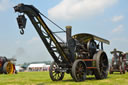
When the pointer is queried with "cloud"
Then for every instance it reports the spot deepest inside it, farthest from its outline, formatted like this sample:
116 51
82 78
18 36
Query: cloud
74 9
4 5
33 40
117 18
118 29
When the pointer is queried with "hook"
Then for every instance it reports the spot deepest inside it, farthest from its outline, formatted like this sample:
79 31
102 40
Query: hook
21 31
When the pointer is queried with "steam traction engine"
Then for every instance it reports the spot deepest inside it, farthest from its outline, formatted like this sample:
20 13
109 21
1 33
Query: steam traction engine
118 62
81 55
6 66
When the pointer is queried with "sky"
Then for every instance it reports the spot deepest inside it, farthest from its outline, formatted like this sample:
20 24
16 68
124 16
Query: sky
104 18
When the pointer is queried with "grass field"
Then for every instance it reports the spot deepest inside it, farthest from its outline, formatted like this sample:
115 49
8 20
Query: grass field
42 78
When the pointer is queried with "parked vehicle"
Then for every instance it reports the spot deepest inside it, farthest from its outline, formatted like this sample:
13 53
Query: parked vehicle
6 66
118 62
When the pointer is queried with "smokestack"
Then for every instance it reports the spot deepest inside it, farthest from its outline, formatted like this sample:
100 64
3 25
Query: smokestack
68 32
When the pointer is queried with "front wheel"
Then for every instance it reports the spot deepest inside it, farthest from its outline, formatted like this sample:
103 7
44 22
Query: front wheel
123 67
79 70
111 70
54 72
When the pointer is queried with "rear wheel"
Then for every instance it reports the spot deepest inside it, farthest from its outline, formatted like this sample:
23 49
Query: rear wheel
79 70
54 73
101 64
8 68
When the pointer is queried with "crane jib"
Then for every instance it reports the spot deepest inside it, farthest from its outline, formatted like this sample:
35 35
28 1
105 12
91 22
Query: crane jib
37 21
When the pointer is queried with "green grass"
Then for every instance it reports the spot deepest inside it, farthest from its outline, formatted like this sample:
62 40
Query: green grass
42 78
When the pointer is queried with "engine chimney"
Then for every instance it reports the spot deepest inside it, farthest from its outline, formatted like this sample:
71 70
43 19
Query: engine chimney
68 32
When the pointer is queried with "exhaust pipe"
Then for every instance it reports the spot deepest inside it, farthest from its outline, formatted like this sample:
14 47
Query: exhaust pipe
68 33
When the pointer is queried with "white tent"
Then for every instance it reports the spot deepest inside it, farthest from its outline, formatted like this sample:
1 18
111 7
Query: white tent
37 65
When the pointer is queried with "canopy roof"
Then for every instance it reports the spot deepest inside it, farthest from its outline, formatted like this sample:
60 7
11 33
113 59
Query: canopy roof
37 65
84 37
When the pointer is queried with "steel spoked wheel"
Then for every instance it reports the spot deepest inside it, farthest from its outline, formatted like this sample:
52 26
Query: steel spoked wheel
103 67
54 72
8 68
79 70
111 70
120 69
123 67
101 64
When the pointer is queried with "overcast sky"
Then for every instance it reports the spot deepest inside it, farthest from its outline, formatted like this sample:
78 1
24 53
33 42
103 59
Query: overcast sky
105 18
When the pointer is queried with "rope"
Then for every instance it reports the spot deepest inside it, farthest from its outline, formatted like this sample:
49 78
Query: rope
52 22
